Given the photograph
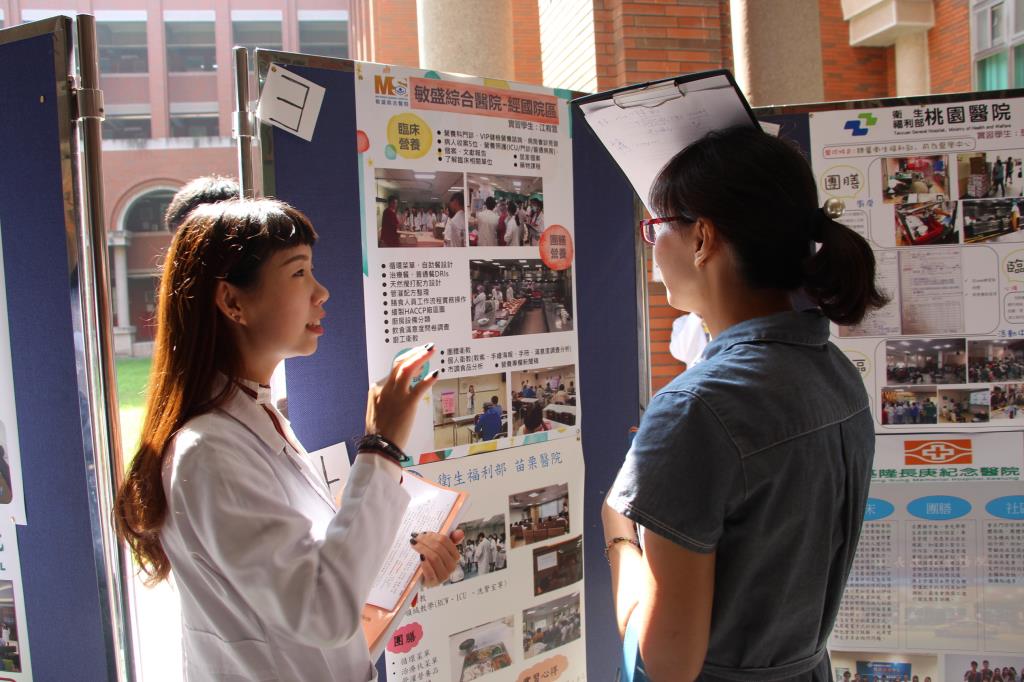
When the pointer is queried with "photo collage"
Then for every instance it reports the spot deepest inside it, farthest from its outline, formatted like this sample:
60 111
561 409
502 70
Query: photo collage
534 535
952 381
525 406
923 209
432 209
982 204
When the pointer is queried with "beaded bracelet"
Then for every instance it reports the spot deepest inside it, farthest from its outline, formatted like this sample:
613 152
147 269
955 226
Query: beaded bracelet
615 541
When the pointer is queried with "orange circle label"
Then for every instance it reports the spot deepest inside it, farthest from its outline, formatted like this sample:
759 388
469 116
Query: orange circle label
556 249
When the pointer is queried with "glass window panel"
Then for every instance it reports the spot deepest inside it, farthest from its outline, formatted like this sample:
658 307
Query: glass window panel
191 46
993 72
981 31
127 127
146 214
195 125
996 21
122 46
1018 66
1018 16
327 38
253 34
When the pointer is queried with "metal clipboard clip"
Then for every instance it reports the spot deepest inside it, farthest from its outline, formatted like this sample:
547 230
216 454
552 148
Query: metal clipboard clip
649 97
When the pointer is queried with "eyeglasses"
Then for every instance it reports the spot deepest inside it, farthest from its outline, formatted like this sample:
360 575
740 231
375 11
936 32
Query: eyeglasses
652 227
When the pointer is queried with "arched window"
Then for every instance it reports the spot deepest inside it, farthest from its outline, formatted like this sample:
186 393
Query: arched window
146 212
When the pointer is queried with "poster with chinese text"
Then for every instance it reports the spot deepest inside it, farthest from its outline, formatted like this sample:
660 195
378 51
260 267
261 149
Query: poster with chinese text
937 190
468 235
514 606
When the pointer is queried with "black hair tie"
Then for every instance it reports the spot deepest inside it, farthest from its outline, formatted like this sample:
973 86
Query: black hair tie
821 217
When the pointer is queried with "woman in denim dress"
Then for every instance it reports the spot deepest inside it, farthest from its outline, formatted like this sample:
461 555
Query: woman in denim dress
732 524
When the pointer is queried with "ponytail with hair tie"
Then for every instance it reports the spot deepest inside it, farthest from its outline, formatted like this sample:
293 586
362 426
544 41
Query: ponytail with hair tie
833 209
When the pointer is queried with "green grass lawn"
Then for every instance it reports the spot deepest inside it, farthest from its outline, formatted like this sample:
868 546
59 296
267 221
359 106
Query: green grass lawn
132 375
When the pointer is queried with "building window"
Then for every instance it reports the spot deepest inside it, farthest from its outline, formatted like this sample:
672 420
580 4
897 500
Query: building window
127 127
146 214
327 38
253 34
997 43
190 46
195 125
122 46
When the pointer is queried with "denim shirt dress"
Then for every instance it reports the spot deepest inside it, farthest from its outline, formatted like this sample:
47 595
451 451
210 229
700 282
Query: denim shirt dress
762 453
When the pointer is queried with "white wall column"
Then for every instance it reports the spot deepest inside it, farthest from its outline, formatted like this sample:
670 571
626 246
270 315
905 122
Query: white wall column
124 332
913 76
900 23
473 37
777 51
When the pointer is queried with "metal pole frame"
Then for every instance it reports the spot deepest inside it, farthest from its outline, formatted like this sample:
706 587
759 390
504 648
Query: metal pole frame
108 459
242 123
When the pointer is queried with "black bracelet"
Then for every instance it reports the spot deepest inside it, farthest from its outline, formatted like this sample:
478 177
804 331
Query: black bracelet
378 443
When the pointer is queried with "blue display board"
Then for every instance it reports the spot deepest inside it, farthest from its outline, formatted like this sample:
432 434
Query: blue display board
65 613
327 392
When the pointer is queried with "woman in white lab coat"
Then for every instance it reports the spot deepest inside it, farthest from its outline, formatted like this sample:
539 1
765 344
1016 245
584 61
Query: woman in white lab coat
272 573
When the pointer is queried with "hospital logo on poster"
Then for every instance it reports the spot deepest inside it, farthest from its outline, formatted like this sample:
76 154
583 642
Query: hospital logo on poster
859 126
390 91
931 452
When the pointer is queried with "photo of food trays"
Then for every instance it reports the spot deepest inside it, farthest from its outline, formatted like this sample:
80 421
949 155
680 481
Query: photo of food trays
993 220
420 209
914 179
524 296
505 210
933 222
470 409
482 650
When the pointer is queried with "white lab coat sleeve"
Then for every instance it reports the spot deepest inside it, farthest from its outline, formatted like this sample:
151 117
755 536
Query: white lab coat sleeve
310 591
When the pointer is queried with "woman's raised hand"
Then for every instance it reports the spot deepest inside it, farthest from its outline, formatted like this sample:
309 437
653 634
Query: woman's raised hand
391 404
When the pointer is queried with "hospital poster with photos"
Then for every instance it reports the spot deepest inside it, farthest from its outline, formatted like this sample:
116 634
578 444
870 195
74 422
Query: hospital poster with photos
937 190
467 208
513 608
468 231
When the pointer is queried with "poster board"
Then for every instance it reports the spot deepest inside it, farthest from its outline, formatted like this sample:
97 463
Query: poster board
50 568
926 181
326 178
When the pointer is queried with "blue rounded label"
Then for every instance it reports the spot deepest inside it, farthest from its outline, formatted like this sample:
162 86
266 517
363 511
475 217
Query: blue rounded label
1009 507
939 508
876 509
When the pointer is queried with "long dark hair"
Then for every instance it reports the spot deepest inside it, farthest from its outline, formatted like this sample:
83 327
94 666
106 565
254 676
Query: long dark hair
760 194
226 241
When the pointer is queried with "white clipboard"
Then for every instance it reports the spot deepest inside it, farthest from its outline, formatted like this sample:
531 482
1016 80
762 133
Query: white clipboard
643 126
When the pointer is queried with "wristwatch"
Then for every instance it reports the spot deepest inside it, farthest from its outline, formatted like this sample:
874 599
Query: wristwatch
380 444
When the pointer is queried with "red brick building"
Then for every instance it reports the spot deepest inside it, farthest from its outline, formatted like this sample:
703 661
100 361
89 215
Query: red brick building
169 105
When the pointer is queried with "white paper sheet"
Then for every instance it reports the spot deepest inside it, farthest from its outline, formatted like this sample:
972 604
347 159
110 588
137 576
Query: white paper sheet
333 464
290 102
642 139
427 510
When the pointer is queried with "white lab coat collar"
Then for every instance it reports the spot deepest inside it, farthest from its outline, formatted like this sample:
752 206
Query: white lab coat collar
251 413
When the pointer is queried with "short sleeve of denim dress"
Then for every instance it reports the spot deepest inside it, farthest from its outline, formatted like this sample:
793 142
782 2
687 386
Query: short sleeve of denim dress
683 473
